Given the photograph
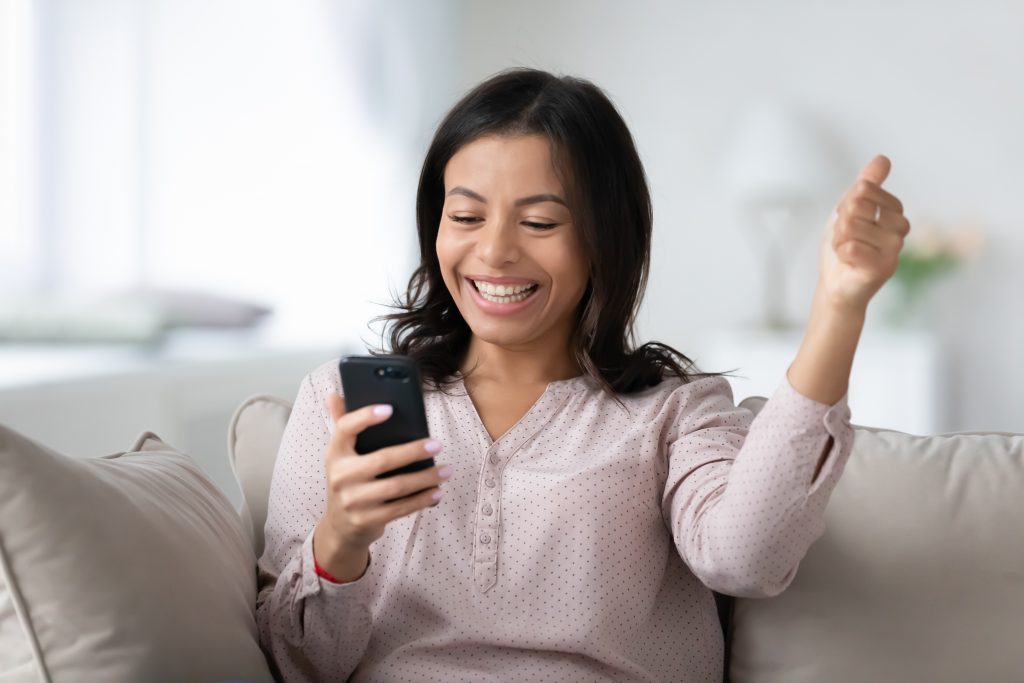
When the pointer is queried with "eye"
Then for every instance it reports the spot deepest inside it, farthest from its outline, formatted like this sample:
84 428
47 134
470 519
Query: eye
540 226
463 219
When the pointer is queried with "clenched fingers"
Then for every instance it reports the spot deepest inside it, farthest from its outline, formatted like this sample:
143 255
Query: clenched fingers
363 468
382 514
376 492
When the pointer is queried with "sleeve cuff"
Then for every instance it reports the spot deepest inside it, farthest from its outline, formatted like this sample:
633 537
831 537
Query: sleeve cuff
834 417
808 424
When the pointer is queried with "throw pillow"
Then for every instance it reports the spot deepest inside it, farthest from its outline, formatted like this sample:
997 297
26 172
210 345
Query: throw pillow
128 567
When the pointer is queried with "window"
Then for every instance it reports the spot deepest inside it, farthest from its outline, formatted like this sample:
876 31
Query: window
236 147
19 252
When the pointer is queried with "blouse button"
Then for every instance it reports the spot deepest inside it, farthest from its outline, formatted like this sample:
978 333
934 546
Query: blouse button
494 459
485 538
487 509
490 483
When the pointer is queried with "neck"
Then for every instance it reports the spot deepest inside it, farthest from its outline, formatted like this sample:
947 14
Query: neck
518 365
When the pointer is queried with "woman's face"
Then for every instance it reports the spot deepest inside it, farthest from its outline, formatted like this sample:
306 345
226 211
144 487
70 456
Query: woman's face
509 252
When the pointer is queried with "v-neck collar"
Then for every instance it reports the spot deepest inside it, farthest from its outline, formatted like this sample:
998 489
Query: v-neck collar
553 396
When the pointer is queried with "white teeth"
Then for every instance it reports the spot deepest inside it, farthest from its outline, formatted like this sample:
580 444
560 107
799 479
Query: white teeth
503 294
502 290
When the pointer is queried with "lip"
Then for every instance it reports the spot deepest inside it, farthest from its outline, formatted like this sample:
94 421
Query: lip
492 308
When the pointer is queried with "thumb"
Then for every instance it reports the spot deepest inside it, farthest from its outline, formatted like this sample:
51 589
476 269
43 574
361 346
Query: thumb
877 169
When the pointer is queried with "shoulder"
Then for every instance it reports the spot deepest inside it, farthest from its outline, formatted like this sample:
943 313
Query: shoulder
324 379
314 389
676 393
675 406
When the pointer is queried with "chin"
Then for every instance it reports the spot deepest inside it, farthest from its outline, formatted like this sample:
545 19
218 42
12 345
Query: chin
500 334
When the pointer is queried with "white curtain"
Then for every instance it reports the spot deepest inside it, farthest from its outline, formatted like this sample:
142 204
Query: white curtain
256 148
19 252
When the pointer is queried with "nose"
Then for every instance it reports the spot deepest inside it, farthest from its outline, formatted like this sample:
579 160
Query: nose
498 243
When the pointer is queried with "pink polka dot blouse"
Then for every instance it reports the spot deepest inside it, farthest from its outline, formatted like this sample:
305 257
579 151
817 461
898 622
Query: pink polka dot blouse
582 545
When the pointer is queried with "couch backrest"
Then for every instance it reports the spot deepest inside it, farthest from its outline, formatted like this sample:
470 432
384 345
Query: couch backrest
253 438
918 577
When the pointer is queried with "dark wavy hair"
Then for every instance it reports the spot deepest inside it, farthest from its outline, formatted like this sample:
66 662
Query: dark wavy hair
610 206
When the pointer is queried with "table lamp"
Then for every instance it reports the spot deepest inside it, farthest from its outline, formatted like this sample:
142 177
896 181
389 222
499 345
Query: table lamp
778 175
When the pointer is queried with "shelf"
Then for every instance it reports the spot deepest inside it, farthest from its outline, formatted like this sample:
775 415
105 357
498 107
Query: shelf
896 381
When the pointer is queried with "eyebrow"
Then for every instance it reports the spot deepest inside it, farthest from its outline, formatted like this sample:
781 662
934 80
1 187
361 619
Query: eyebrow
532 199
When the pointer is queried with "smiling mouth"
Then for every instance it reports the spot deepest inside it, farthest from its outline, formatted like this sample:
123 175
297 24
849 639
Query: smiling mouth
503 294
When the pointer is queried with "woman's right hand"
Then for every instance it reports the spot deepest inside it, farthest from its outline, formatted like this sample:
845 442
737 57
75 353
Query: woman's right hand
359 505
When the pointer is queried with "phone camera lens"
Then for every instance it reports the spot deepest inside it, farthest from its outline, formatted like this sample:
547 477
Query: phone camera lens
391 373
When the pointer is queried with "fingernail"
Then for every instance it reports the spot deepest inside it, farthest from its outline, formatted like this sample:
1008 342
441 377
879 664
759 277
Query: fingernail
445 471
382 410
438 494
432 446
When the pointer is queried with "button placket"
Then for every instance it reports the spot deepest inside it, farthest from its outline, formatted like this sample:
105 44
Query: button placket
488 517
487 536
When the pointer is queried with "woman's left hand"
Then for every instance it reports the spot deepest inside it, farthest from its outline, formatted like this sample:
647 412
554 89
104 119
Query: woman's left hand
862 242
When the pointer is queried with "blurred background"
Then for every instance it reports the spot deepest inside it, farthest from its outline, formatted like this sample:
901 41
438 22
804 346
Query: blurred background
202 200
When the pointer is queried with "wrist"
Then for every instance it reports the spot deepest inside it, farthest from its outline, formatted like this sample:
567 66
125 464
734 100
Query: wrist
827 305
335 560
821 369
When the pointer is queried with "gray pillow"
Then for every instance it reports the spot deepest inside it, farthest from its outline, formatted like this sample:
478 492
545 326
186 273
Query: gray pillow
128 567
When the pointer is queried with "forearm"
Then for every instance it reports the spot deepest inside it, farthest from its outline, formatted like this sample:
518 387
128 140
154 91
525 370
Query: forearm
345 564
821 369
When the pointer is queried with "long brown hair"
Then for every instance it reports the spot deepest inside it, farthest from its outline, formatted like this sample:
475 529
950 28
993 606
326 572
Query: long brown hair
610 205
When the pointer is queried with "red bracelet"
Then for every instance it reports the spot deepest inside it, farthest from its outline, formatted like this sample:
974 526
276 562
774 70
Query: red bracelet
320 571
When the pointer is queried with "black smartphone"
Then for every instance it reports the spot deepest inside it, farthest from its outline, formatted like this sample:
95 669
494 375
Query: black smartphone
395 380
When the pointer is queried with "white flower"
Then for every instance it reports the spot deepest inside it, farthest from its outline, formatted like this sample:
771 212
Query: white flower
966 244
924 241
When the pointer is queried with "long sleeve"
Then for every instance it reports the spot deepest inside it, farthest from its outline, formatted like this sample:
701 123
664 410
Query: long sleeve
310 628
741 498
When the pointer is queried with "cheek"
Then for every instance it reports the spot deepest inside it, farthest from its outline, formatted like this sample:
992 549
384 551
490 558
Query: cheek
567 263
448 252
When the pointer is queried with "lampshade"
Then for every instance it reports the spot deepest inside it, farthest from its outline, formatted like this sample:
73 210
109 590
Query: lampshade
777 156
777 174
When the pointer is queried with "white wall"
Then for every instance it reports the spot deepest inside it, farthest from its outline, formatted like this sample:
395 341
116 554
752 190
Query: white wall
936 86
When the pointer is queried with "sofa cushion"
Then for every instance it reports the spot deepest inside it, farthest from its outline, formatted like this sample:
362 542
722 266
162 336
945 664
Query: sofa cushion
918 577
128 567
253 439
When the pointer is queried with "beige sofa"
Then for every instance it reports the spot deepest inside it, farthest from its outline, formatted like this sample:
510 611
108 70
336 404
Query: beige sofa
133 567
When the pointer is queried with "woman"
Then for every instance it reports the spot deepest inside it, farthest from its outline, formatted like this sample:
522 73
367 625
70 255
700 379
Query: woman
589 495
